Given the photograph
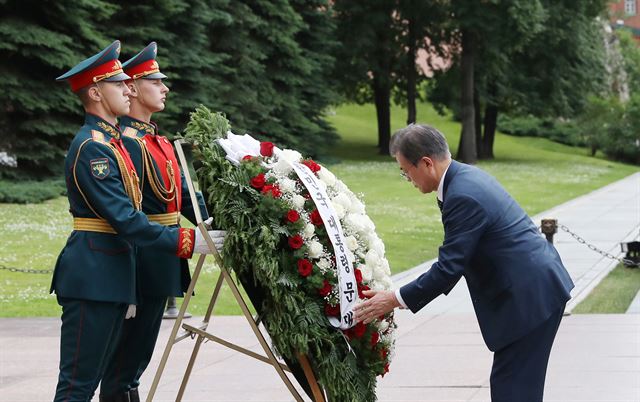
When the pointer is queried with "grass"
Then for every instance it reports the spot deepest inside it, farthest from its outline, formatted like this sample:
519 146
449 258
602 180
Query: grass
538 173
614 294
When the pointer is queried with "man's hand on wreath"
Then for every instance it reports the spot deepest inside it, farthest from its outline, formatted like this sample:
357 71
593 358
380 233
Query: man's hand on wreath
379 302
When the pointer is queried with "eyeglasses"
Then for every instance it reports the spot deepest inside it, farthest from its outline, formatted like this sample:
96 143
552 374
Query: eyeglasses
404 175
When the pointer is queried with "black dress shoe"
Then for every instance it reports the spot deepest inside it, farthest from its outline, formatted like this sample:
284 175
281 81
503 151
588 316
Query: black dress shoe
133 395
123 397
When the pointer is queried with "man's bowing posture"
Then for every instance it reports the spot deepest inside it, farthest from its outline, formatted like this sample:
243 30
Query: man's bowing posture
516 279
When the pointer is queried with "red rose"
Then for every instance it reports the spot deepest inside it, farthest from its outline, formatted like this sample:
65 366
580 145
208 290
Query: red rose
258 181
306 196
295 242
386 369
311 165
293 216
361 289
359 329
348 333
332 311
247 158
358 275
375 337
326 289
305 267
384 353
266 148
315 217
272 189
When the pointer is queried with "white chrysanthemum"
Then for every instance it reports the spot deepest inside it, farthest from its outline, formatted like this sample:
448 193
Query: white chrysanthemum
368 223
324 264
351 242
342 199
289 155
366 272
315 249
298 201
339 209
378 286
287 185
377 245
385 266
372 259
326 176
378 273
308 231
354 223
357 207
383 325
282 167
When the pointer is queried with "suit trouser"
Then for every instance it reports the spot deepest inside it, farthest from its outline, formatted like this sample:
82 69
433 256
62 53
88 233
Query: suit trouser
87 339
135 347
519 369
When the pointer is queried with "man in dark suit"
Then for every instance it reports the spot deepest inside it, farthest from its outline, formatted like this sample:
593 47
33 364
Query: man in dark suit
516 279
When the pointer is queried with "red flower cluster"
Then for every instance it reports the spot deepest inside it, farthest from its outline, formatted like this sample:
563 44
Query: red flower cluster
272 189
357 331
326 289
332 311
247 158
375 338
295 241
315 218
358 274
266 148
311 165
305 267
293 216
362 288
258 181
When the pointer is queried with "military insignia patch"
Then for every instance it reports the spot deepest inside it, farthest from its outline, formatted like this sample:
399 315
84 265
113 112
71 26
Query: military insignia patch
99 168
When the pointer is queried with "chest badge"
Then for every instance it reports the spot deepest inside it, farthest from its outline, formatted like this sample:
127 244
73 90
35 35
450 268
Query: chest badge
100 168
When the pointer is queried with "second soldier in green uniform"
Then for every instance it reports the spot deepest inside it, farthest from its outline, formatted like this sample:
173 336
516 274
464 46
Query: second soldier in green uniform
165 198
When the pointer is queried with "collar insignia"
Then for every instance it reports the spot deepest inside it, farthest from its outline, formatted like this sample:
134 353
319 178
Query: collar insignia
109 129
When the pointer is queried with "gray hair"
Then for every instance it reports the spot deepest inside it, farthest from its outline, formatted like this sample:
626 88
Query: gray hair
418 140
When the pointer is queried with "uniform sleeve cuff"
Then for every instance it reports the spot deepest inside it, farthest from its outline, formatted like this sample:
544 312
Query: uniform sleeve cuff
186 242
400 300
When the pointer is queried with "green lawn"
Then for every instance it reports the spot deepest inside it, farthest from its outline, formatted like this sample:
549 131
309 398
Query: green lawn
614 294
537 172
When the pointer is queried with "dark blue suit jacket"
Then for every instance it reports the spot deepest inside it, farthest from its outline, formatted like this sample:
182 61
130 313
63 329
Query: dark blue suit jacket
515 277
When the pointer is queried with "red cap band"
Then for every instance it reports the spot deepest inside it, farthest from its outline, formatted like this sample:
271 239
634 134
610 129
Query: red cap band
98 73
143 69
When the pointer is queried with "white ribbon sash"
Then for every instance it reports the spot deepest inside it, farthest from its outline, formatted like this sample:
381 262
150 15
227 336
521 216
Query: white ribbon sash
346 279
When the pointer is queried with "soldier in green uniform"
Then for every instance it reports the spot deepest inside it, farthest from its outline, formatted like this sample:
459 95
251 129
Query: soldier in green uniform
94 277
165 198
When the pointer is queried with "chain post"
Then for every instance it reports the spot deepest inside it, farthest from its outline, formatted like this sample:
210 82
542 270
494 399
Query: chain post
549 227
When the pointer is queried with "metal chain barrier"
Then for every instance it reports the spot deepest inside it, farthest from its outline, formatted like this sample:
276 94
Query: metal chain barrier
27 270
605 254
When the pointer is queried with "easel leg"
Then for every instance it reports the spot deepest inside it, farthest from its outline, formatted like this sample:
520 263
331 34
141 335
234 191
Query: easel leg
258 334
199 340
174 330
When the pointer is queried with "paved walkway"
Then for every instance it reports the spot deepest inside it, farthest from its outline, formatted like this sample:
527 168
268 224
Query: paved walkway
440 355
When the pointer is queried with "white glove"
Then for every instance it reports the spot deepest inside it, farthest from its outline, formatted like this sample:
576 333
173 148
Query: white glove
201 246
131 312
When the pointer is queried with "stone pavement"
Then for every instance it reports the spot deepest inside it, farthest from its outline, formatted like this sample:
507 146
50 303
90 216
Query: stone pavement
440 355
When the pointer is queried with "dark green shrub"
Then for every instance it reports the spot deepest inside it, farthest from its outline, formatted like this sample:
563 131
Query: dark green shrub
29 191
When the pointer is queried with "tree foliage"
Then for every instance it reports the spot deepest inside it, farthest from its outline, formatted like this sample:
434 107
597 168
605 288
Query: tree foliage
262 62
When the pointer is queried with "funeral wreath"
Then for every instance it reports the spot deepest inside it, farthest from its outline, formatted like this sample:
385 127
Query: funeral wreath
303 241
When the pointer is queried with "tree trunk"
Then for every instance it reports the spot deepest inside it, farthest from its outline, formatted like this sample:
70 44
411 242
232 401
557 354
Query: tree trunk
382 95
477 110
490 124
411 73
467 148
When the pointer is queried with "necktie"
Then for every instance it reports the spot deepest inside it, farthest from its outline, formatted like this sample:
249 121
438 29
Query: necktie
439 204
